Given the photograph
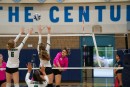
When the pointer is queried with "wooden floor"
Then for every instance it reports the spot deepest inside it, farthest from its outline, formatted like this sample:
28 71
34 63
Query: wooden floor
95 82
79 85
86 85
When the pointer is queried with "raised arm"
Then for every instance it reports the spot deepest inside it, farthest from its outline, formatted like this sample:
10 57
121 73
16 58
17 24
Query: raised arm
18 36
48 40
25 39
40 37
27 80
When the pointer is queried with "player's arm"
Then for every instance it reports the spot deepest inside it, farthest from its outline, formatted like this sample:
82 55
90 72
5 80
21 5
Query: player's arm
29 66
25 39
48 40
40 36
18 36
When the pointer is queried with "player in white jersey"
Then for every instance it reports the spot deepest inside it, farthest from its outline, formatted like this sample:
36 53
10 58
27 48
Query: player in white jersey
44 55
13 59
40 78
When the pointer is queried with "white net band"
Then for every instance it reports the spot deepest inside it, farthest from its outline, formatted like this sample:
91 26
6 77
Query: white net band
50 35
74 68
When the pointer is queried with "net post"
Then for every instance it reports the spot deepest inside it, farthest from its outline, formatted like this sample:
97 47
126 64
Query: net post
97 53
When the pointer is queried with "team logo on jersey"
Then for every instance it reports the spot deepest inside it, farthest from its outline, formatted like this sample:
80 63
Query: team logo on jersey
35 85
14 49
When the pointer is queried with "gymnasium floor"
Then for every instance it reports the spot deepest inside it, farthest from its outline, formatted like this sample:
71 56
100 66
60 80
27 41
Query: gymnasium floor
91 82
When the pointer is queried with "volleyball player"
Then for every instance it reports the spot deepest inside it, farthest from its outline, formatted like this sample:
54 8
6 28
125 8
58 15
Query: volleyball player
2 72
44 55
13 59
60 61
40 78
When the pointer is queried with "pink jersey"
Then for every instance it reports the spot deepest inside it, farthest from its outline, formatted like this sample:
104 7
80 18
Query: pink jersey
62 61
2 71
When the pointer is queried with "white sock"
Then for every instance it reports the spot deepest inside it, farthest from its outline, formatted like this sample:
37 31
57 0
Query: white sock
8 84
16 85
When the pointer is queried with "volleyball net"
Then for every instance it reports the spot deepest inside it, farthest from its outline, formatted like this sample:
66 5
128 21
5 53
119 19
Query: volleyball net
77 60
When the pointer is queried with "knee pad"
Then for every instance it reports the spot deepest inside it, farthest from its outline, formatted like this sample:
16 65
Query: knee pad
16 85
8 84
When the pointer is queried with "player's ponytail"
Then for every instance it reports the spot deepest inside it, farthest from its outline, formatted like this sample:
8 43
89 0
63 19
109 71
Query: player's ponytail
43 53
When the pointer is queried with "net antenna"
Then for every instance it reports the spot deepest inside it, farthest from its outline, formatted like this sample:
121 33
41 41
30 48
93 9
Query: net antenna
84 41
83 26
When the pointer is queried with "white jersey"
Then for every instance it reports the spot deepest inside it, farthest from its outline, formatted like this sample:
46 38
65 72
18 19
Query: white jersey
13 54
45 63
30 83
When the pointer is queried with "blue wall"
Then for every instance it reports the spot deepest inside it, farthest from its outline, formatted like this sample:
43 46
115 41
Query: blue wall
69 75
75 59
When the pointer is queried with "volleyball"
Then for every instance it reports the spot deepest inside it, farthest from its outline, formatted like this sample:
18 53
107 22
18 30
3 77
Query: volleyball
37 16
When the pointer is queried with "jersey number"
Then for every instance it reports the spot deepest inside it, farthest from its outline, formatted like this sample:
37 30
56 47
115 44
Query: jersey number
12 54
35 85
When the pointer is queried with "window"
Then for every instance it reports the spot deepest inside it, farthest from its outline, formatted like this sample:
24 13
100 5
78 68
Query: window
106 59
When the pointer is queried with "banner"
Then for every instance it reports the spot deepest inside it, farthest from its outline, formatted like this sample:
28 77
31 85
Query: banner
113 17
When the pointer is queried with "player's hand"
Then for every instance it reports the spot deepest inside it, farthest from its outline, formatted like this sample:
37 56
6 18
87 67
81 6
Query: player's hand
22 30
49 29
30 31
29 66
39 29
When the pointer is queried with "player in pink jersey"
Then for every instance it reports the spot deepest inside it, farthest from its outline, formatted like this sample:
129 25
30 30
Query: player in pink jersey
60 61
2 72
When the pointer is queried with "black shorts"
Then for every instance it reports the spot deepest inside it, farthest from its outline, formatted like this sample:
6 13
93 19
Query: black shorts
1 82
11 70
118 71
57 71
48 70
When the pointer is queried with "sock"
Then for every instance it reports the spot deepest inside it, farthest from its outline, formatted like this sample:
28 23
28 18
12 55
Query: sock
50 85
57 85
8 84
16 85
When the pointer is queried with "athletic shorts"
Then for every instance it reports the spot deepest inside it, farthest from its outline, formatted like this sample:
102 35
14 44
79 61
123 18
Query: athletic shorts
48 70
1 82
57 71
118 71
11 70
